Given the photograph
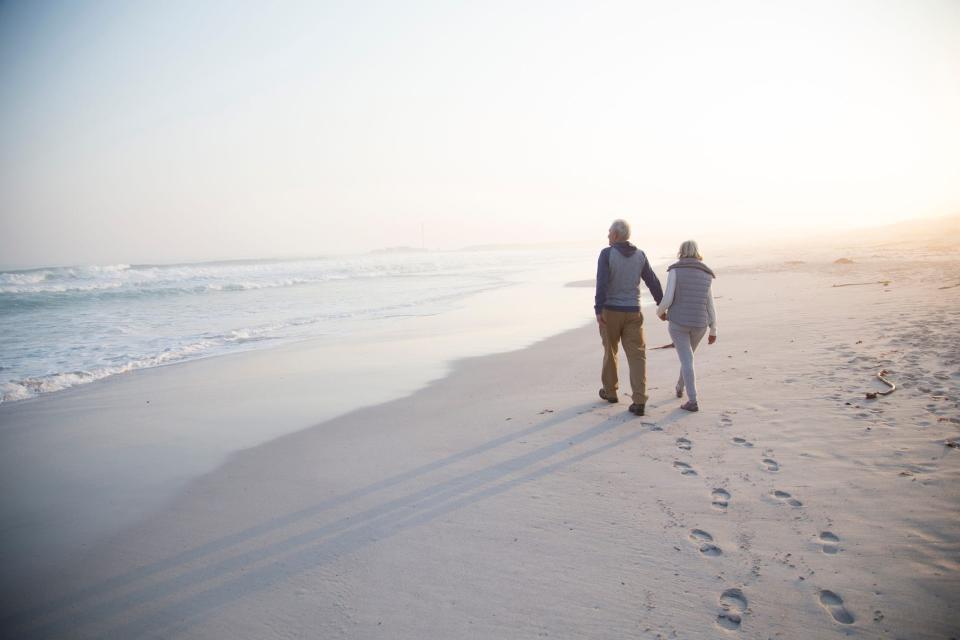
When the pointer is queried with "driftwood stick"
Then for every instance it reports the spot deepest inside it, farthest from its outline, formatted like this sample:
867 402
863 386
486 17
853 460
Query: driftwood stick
872 395
861 284
666 346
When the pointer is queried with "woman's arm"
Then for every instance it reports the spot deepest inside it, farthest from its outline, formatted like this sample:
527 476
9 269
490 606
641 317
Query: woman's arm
711 312
667 299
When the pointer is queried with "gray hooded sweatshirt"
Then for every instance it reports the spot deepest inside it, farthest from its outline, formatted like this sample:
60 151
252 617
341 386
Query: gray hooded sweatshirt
620 269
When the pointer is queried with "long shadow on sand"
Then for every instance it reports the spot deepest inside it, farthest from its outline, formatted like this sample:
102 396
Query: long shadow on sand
254 570
220 544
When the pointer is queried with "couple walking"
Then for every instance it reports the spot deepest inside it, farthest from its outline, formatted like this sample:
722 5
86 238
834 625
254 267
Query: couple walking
687 303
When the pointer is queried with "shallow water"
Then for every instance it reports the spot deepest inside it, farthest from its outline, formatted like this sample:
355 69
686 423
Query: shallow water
66 326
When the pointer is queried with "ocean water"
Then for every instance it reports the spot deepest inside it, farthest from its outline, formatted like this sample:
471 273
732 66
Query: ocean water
67 326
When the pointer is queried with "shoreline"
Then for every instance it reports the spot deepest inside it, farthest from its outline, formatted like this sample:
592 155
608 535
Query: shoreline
131 322
92 460
730 263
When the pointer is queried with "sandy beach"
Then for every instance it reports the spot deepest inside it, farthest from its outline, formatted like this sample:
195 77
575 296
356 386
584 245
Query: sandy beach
305 306
505 500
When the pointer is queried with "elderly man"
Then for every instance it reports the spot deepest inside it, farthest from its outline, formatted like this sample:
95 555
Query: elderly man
620 269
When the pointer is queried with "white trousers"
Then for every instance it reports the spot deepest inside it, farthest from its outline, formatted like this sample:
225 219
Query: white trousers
686 339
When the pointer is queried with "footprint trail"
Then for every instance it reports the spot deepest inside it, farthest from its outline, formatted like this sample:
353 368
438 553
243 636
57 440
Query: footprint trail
771 465
720 498
786 497
834 604
830 541
684 468
733 606
705 540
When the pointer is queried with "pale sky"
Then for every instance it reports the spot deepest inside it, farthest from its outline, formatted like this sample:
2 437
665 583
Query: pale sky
182 130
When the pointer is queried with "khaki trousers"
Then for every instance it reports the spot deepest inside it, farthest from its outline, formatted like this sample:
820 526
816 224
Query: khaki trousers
625 327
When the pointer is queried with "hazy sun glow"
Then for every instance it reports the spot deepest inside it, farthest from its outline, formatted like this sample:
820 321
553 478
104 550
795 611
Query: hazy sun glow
133 132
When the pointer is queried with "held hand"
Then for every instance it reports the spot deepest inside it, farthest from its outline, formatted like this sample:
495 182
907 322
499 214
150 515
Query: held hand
662 316
711 339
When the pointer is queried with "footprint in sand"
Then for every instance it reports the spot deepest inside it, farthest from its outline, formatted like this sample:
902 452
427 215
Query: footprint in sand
684 468
685 444
725 420
831 542
771 465
705 540
733 606
834 604
720 498
786 497
743 442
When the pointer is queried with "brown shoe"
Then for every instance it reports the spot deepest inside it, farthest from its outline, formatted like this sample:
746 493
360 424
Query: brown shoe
610 399
690 406
637 409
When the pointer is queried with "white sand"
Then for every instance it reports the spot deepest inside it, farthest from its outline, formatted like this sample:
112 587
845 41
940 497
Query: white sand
506 501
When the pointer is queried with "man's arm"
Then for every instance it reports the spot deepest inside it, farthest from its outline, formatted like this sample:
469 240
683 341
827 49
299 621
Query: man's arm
652 282
603 278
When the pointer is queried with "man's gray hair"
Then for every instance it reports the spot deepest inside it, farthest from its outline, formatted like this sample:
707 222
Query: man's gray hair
622 228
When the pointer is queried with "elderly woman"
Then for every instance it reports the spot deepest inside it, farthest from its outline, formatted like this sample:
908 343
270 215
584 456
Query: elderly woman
688 303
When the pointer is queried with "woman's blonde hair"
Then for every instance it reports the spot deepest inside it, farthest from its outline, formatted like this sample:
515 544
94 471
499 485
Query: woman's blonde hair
689 249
